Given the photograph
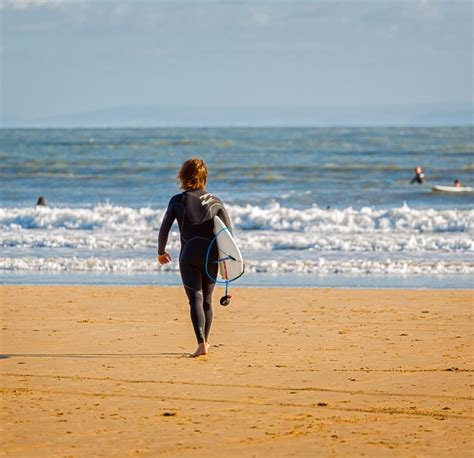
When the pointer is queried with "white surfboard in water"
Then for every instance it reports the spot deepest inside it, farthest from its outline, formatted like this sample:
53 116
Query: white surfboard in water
231 263
452 189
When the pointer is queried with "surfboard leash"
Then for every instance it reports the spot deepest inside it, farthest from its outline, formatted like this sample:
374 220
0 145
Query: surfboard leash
225 300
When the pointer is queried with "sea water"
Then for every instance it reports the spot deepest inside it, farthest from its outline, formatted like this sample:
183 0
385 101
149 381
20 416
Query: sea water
310 206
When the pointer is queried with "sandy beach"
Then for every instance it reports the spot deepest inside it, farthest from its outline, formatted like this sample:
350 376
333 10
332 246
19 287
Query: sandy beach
104 371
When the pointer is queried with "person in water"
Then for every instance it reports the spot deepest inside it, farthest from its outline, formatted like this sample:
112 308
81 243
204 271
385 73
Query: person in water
194 209
419 176
41 202
457 183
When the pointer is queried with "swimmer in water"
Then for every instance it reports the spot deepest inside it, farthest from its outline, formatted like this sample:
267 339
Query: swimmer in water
419 176
41 202
457 183
194 209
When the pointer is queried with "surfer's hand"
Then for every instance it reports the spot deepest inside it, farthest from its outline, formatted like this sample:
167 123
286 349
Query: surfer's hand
164 258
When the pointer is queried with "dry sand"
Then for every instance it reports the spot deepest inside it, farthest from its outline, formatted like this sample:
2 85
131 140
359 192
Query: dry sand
103 371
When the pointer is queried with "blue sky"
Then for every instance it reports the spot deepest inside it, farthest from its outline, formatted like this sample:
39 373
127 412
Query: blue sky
185 62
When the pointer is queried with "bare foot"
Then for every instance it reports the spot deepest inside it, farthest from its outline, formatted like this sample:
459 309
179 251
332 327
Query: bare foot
201 350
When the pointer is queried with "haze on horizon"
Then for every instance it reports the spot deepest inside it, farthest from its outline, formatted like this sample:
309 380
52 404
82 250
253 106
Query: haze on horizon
147 63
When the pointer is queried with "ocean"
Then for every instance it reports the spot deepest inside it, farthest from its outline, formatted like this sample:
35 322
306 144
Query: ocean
310 206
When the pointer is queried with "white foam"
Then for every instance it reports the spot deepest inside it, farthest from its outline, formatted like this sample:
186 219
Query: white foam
105 216
272 239
349 220
273 228
322 266
272 217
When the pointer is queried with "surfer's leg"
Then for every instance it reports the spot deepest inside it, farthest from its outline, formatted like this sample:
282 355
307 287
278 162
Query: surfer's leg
207 289
192 281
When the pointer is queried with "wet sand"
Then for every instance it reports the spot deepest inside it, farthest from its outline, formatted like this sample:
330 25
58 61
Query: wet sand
104 371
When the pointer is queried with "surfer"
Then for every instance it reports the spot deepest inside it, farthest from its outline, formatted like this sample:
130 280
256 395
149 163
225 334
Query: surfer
419 176
194 209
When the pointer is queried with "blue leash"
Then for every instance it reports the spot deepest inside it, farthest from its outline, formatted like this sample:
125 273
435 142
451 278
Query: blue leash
226 298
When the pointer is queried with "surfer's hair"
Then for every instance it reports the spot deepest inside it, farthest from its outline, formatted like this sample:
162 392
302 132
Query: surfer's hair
193 174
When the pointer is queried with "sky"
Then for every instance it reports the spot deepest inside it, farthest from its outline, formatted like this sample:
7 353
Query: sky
80 62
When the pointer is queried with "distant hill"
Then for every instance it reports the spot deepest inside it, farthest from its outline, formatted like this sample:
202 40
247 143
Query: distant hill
413 115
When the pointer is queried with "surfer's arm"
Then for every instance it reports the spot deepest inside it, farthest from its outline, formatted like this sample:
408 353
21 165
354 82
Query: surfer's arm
165 229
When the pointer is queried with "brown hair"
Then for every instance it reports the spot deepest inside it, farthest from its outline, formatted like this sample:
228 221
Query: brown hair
41 201
193 174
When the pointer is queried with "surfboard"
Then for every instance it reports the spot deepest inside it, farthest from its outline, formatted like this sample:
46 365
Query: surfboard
452 189
231 263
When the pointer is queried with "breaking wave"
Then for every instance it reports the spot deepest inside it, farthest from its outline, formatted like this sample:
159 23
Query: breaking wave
273 238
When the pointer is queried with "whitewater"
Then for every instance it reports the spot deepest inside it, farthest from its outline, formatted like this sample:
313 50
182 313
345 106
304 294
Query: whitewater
273 238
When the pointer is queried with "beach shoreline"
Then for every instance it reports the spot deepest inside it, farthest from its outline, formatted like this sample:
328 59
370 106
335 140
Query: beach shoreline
249 280
104 371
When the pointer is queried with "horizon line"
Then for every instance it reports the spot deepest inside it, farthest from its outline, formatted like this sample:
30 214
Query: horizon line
240 126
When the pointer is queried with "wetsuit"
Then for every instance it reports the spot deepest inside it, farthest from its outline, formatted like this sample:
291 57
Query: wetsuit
194 210
418 178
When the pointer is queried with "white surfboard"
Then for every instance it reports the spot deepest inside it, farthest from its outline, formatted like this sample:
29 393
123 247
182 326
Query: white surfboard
231 263
452 189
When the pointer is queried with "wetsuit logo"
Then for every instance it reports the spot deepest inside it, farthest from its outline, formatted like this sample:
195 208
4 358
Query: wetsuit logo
206 199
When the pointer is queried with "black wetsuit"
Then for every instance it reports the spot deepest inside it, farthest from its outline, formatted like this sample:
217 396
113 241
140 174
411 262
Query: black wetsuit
418 178
194 210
